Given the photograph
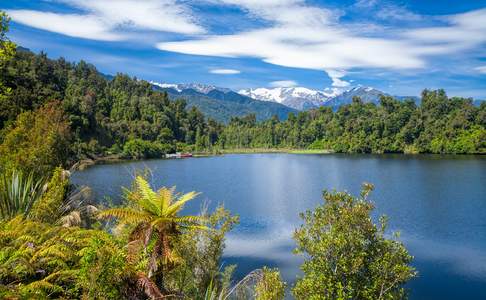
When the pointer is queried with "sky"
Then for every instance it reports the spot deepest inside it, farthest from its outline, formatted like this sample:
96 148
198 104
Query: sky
399 47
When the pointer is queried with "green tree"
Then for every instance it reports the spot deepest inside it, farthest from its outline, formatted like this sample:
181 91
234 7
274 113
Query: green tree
155 219
347 255
38 142
7 48
201 252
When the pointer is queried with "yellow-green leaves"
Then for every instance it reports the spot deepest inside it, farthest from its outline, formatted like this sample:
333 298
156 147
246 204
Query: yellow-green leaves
347 255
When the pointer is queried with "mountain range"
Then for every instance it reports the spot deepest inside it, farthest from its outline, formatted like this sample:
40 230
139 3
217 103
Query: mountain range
224 103
221 104
301 98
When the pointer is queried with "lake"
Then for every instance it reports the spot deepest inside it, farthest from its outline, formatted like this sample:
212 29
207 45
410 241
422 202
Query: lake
438 203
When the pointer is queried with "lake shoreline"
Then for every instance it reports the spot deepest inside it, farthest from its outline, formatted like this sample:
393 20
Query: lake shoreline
116 158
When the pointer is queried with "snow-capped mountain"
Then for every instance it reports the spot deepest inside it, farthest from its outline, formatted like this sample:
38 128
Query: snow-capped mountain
299 98
296 97
199 87
221 103
367 94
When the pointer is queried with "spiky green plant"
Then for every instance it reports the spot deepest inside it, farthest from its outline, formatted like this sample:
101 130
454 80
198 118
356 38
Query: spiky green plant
18 192
155 219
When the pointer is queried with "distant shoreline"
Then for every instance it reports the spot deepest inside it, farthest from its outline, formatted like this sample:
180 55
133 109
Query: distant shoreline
114 158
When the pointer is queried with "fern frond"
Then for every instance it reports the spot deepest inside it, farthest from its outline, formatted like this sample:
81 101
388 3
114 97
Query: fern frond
125 215
179 204
148 200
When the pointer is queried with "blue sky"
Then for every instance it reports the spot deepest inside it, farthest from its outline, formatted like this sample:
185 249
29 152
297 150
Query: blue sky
400 47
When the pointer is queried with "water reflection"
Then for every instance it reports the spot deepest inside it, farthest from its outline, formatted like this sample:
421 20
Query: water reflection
437 202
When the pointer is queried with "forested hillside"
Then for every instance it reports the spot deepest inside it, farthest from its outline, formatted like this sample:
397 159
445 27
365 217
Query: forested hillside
223 105
123 115
439 125
103 114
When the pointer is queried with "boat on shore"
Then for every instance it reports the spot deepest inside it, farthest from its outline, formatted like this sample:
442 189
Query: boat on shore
178 155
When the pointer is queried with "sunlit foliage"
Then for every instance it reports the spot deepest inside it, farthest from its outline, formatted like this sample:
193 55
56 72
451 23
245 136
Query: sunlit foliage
347 256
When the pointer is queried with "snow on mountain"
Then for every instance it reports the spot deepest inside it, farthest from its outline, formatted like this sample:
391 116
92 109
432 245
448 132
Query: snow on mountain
199 87
296 97
299 98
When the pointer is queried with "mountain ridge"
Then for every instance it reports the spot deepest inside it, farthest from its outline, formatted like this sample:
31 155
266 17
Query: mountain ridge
222 104
296 98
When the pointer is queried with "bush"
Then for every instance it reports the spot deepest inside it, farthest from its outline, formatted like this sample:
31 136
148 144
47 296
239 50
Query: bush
347 255
271 286
140 149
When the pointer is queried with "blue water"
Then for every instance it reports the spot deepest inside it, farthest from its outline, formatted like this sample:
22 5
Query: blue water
438 203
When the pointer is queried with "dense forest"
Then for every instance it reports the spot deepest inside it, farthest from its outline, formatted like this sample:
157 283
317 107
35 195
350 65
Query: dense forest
439 125
96 115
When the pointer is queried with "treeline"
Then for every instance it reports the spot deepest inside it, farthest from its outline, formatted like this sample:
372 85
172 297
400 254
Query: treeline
100 116
438 125
103 115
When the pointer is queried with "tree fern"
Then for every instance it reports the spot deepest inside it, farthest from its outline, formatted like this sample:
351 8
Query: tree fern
154 217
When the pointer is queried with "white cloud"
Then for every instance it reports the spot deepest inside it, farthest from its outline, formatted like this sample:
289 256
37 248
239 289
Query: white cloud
108 20
88 27
224 71
387 10
159 15
336 76
283 83
481 69
365 3
465 31
397 13
309 37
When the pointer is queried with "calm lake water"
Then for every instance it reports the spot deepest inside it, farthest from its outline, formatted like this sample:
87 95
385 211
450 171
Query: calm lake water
438 203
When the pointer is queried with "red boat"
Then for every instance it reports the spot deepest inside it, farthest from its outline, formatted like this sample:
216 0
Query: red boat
184 155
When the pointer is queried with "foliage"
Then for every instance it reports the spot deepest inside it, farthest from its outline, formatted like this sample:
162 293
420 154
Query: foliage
47 208
139 149
107 115
37 142
40 261
439 125
201 252
18 193
102 113
271 286
7 51
155 222
347 255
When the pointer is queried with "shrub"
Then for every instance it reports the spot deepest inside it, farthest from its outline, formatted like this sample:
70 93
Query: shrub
140 149
347 255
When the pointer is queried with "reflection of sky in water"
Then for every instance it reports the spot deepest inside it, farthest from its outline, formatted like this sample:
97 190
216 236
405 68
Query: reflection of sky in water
437 203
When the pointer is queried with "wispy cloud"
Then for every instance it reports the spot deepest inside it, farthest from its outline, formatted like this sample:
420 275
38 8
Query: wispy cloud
310 37
108 20
283 83
481 69
81 26
224 71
